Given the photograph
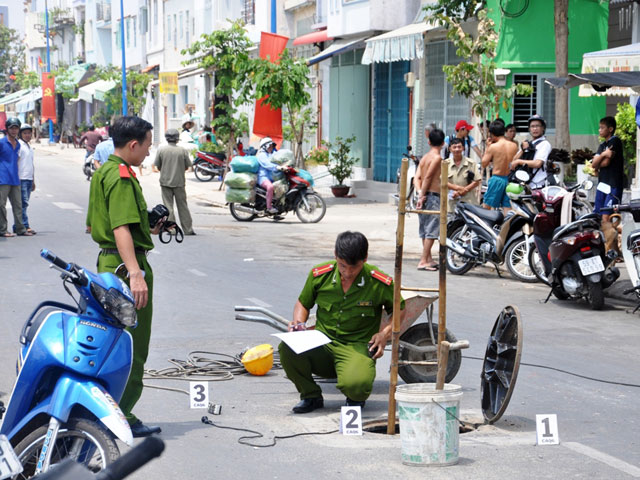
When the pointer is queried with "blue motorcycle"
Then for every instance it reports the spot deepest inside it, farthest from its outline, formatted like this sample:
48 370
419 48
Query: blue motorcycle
73 366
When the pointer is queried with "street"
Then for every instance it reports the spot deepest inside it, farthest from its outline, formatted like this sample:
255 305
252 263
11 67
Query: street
265 263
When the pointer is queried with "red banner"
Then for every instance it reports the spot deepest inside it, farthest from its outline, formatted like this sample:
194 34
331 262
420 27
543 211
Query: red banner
48 97
267 122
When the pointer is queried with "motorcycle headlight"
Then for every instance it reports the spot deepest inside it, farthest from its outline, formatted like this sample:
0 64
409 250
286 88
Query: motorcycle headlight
116 304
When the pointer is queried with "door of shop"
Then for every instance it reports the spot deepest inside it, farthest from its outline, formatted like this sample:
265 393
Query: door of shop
390 119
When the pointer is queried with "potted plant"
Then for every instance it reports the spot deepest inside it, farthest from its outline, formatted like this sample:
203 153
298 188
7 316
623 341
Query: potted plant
340 164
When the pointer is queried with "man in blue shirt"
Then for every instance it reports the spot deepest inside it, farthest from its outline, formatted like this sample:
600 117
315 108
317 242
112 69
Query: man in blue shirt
10 180
102 152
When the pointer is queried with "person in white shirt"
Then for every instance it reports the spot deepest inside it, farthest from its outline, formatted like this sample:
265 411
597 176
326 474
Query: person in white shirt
533 154
26 171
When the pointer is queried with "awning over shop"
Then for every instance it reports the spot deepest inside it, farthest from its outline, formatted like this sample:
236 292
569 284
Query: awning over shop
336 48
14 97
28 102
97 90
313 37
404 43
72 76
625 59
149 68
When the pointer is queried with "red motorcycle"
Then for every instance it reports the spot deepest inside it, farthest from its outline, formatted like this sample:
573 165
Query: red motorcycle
207 166
570 256
299 197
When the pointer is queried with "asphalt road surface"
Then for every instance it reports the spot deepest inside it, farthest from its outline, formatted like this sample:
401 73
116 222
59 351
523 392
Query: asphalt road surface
264 263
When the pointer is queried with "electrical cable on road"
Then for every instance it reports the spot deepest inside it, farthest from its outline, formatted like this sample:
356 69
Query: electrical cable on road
610 382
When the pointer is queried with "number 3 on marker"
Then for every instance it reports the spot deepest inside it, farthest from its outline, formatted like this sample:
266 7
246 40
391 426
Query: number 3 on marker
199 394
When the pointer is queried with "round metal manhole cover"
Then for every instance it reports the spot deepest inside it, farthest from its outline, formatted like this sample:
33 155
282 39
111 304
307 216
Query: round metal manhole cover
501 363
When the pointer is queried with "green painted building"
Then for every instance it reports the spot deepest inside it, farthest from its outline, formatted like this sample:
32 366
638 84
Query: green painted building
527 48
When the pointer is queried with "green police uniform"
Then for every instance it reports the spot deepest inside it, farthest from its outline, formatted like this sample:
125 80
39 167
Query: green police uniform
116 199
350 320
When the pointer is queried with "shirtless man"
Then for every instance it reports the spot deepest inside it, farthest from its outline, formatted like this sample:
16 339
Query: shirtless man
429 171
501 151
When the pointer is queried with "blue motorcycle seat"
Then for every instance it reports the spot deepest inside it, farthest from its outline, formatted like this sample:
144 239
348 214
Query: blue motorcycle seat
491 216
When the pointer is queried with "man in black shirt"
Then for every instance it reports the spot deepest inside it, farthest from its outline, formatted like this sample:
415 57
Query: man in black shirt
609 162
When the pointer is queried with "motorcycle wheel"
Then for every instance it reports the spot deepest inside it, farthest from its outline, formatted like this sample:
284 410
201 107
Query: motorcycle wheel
419 335
201 173
456 264
517 260
535 262
315 210
596 296
559 293
84 441
411 199
240 213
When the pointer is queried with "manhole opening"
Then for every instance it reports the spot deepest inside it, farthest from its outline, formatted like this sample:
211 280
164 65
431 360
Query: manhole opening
380 426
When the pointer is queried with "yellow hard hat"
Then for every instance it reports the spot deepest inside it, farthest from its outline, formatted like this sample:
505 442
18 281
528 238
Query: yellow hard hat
258 360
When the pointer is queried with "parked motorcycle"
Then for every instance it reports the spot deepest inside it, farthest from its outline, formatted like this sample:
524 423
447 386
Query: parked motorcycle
299 197
570 255
73 365
476 236
207 166
88 168
412 195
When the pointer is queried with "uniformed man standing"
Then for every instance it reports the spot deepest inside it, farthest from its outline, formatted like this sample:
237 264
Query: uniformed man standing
120 226
350 295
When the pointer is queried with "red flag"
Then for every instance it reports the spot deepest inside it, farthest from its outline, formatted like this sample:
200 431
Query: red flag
40 63
48 97
268 122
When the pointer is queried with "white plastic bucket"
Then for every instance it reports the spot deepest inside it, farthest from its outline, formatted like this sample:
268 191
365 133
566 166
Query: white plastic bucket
429 431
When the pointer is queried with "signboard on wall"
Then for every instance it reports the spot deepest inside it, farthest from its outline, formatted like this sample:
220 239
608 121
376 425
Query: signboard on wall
168 82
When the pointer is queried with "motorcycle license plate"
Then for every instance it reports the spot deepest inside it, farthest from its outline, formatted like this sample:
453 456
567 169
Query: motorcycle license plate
9 463
590 265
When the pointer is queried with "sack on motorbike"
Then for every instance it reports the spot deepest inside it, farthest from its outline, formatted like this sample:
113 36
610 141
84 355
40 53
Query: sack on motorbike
283 157
306 175
239 195
246 164
280 187
240 180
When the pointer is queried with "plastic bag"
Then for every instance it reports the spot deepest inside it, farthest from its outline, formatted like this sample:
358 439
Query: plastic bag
280 187
283 157
240 180
239 195
306 175
246 164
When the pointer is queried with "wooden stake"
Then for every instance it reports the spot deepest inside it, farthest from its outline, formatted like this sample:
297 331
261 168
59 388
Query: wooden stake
442 256
397 297
443 355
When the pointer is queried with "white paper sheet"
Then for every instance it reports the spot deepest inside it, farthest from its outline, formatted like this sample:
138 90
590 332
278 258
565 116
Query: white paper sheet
302 341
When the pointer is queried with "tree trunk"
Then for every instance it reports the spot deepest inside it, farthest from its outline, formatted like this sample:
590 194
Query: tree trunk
561 12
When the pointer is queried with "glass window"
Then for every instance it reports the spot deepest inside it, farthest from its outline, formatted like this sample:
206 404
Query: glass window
181 25
128 32
186 27
135 32
155 12
168 28
542 102
175 31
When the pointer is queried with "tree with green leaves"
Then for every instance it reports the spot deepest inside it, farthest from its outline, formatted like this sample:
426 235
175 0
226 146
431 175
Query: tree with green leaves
225 54
137 83
285 85
28 79
12 58
473 77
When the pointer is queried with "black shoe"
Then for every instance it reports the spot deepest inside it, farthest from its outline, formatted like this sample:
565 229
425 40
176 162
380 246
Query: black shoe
308 405
139 429
353 403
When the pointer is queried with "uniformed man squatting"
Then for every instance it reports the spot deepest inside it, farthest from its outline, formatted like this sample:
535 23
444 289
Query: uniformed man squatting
350 295
120 226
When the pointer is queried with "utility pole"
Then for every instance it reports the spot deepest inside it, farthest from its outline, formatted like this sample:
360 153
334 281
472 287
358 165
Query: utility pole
46 23
273 17
124 62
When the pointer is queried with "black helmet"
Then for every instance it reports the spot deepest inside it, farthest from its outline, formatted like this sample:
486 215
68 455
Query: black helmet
539 118
12 122
172 135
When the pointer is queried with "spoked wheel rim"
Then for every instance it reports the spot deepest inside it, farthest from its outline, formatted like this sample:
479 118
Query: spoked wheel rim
456 263
202 174
80 446
242 212
501 363
519 262
313 210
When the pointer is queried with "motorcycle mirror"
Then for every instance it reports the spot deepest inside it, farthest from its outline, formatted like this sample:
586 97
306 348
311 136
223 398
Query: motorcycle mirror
522 176
409 148
587 185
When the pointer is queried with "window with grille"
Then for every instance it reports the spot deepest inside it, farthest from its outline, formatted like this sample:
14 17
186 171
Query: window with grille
249 12
542 102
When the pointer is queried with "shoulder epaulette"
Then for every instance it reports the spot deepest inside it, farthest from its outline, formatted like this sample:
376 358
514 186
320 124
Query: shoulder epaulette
322 269
124 171
386 279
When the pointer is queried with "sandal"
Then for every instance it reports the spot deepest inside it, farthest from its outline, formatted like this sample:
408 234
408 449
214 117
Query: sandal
8 235
26 233
31 231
